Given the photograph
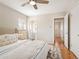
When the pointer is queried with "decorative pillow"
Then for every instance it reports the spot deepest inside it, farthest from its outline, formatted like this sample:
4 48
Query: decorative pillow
8 39
3 42
11 37
22 35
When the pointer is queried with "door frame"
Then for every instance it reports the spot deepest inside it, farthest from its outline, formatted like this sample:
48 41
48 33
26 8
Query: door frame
63 28
69 32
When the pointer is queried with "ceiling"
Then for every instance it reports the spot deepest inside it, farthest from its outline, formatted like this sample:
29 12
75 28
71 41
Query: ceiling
54 6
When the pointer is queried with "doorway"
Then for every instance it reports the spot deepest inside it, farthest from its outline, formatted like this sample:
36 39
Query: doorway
59 29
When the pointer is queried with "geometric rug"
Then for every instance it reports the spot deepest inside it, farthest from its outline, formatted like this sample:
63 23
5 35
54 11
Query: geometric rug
54 53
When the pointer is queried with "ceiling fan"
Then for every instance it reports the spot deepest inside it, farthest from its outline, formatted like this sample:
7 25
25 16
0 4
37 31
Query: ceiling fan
34 3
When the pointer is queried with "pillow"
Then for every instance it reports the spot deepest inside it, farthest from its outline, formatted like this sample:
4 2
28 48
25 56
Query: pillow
22 34
21 37
3 42
11 37
7 39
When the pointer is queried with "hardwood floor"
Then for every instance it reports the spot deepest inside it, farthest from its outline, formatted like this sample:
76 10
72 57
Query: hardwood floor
66 54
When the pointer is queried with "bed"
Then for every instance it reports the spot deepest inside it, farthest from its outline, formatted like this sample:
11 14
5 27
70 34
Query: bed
25 49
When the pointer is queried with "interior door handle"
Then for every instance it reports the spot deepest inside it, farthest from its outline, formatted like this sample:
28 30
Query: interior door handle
71 45
78 35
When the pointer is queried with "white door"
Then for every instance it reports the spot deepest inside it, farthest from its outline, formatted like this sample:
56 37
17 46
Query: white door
66 30
75 31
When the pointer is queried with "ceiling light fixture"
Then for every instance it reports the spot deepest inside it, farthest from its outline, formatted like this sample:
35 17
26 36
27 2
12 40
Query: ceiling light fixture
32 3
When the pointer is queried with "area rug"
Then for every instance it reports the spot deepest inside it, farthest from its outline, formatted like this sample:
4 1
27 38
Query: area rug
54 53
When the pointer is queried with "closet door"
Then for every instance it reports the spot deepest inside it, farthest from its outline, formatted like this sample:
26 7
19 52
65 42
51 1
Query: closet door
75 31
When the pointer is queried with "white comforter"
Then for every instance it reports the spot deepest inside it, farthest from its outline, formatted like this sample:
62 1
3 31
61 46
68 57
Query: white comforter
27 50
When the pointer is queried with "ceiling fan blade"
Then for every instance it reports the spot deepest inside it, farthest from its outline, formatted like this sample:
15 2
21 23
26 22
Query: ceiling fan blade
42 1
24 4
35 6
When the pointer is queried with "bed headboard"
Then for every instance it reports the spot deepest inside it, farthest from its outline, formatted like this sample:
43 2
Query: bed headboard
6 30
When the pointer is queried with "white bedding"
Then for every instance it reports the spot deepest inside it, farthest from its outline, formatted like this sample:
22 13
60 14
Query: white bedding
5 49
23 50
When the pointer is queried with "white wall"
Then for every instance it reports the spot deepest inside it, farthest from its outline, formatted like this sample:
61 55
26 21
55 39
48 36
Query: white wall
9 19
75 30
45 26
